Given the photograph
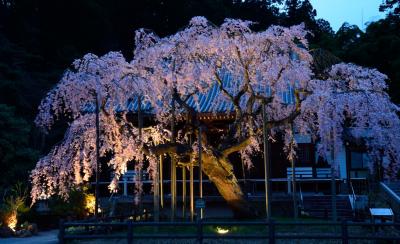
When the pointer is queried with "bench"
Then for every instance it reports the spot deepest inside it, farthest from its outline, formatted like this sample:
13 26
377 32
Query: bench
299 173
131 175
306 173
324 173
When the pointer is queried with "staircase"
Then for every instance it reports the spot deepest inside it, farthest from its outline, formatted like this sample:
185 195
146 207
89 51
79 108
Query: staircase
321 207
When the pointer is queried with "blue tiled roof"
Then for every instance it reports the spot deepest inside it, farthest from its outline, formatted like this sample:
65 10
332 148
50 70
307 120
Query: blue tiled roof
207 103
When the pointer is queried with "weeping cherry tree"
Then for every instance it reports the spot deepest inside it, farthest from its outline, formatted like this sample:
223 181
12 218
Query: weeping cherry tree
248 69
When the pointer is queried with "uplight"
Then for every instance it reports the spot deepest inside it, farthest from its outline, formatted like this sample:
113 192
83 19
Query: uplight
222 231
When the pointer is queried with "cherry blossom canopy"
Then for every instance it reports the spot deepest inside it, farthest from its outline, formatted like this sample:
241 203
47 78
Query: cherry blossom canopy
228 68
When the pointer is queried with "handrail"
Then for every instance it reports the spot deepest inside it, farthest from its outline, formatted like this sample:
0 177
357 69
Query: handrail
354 196
283 179
352 189
390 192
301 197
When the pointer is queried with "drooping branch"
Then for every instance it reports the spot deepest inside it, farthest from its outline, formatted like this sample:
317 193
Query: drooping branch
287 120
235 102
236 147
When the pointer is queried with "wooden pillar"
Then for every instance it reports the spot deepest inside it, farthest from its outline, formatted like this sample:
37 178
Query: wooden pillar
97 196
140 125
266 164
191 171
156 199
200 171
173 166
294 196
125 186
191 186
245 190
333 189
294 193
161 183
183 192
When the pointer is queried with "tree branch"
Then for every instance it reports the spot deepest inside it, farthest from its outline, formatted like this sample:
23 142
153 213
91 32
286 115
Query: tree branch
237 147
169 148
288 119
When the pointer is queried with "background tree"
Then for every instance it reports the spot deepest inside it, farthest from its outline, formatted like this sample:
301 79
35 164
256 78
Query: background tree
377 47
16 156
390 5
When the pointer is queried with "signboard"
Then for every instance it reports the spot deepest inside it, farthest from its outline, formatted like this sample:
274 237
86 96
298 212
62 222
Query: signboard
381 214
200 203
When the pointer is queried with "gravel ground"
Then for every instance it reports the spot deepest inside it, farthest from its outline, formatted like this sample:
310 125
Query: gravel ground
45 237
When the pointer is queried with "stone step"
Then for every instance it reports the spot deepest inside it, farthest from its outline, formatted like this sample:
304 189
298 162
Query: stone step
321 206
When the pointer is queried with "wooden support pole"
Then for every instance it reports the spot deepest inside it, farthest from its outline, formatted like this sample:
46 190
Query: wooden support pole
156 190
191 186
333 182
294 192
191 173
333 189
161 183
183 192
125 186
173 166
139 174
97 196
200 172
266 164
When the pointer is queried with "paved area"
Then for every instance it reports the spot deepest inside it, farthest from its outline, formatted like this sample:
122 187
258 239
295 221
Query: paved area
45 237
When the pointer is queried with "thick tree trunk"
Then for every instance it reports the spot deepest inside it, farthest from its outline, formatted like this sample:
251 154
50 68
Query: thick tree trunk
220 171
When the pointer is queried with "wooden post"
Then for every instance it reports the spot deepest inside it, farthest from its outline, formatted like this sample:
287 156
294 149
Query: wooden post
130 232
199 230
266 164
191 186
271 231
140 125
191 176
97 196
333 182
61 232
294 197
156 199
161 183
200 171
345 234
294 191
245 190
173 166
125 186
183 192
333 189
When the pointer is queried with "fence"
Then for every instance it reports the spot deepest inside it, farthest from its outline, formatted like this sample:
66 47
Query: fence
135 231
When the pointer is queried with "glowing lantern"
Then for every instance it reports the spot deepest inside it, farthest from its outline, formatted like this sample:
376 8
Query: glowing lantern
90 203
221 230
12 220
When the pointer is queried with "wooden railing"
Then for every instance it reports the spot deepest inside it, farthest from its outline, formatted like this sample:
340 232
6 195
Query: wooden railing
133 231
